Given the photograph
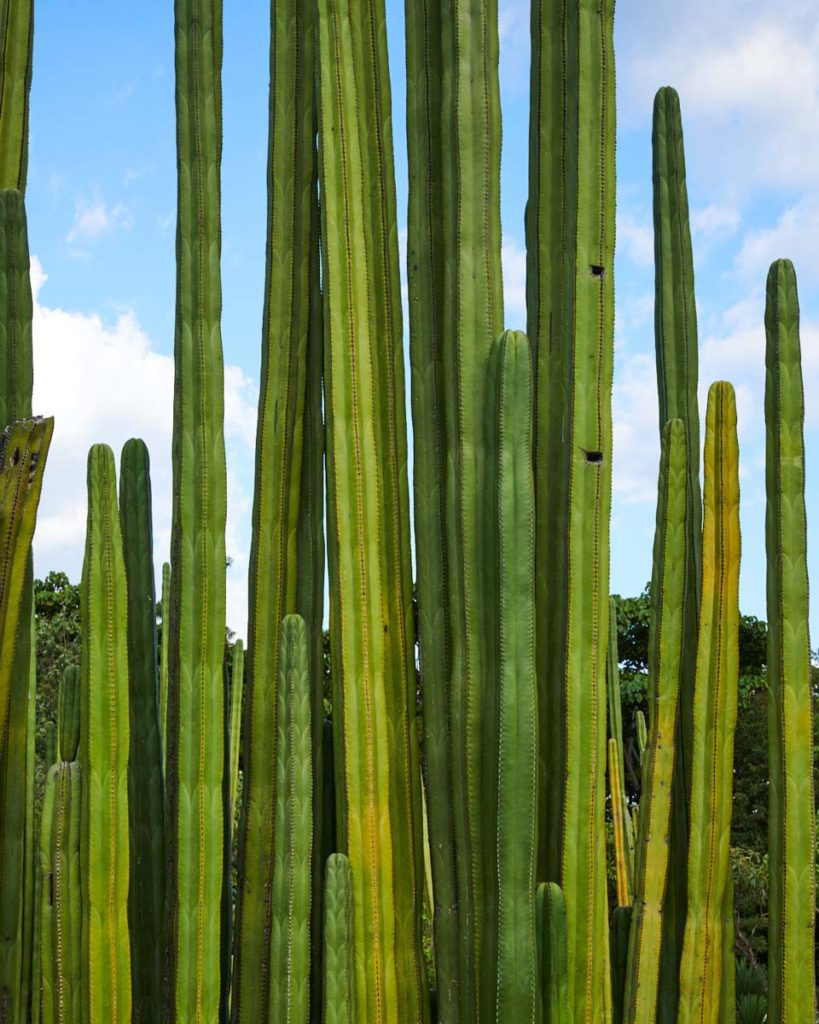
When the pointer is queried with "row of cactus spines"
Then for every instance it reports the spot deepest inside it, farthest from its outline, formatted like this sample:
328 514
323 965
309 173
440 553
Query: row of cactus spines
714 718
675 316
286 564
665 662
146 901
104 754
195 762
16 38
791 825
570 310
368 510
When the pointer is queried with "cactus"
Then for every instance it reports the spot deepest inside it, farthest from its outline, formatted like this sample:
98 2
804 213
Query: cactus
146 899
615 710
791 826
642 735
618 823
517 749
620 928
551 934
165 644
30 872
370 579
16 36
104 749
68 718
45 1004
665 654
292 876
237 674
16 304
195 763
728 991
714 717
570 307
339 956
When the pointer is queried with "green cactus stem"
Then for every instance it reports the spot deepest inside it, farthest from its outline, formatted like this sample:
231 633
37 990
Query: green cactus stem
617 807
791 819
146 899
620 928
30 871
715 710
195 764
551 944
642 735
16 36
339 955
165 643
237 674
16 363
370 577
615 710
68 718
45 1004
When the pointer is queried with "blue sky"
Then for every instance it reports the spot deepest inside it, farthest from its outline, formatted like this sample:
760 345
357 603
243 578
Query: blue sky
101 206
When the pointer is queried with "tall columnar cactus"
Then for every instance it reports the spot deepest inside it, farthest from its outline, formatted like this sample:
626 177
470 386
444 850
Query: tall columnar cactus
551 947
621 865
104 750
665 657
714 717
68 718
195 765
164 650
368 520
16 362
16 36
30 872
237 680
292 875
615 713
339 955
570 300
791 850
675 315
146 900
517 749
284 564
44 1010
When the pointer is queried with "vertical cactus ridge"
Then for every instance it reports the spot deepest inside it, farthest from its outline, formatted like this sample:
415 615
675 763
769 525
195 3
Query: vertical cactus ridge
665 654
68 717
570 279
104 752
237 678
146 900
339 955
551 947
16 37
675 316
195 756
292 875
16 361
615 710
274 571
165 644
370 580
714 718
621 866
65 889
29 911
791 824
45 1004
517 749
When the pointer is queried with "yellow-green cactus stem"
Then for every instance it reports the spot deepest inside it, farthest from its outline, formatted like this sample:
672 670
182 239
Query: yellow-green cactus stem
615 710
620 851
791 817
339 956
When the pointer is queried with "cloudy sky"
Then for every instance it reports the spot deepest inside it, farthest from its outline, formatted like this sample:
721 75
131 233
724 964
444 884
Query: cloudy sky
101 206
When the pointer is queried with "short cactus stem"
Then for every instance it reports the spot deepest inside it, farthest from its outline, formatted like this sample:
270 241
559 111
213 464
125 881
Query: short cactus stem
551 946
68 718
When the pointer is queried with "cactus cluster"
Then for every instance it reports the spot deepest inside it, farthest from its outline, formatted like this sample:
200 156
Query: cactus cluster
469 779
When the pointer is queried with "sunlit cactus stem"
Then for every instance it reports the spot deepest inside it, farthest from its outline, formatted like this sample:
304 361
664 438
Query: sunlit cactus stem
791 825
618 823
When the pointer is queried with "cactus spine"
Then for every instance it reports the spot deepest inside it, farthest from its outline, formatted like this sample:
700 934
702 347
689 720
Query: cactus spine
570 305
714 717
791 982
146 899
370 579
16 36
665 653
517 749
195 758
551 932
104 748
339 954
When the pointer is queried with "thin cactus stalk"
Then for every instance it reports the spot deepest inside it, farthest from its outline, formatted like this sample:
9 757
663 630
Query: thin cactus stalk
551 946
292 876
45 1008
36 887
715 711
665 654
620 928
29 911
276 568
615 709
728 992
619 826
16 37
675 316
237 678
370 577
642 735
146 899
570 307
68 718
517 748
791 824
195 765
104 750
65 894
165 643
339 953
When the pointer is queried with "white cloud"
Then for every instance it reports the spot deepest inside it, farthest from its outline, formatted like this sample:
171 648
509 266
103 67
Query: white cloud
714 223
793 236
107 382
93 219
635 237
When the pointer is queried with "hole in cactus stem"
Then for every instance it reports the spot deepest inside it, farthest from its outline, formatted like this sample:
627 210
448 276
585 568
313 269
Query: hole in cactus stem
595 458
15 456
597 271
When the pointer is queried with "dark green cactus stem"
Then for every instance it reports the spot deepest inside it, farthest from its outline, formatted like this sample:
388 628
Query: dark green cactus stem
29 912
16 364
370 574
665 664
292 875
791 818
68 719
715 710
32 837
16 36
237 676
195 765
165 644
285 430
45 1005
146 899
570 307
620 927
339 954
104 750
517 749
551 947
675 316
615 709
642 735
